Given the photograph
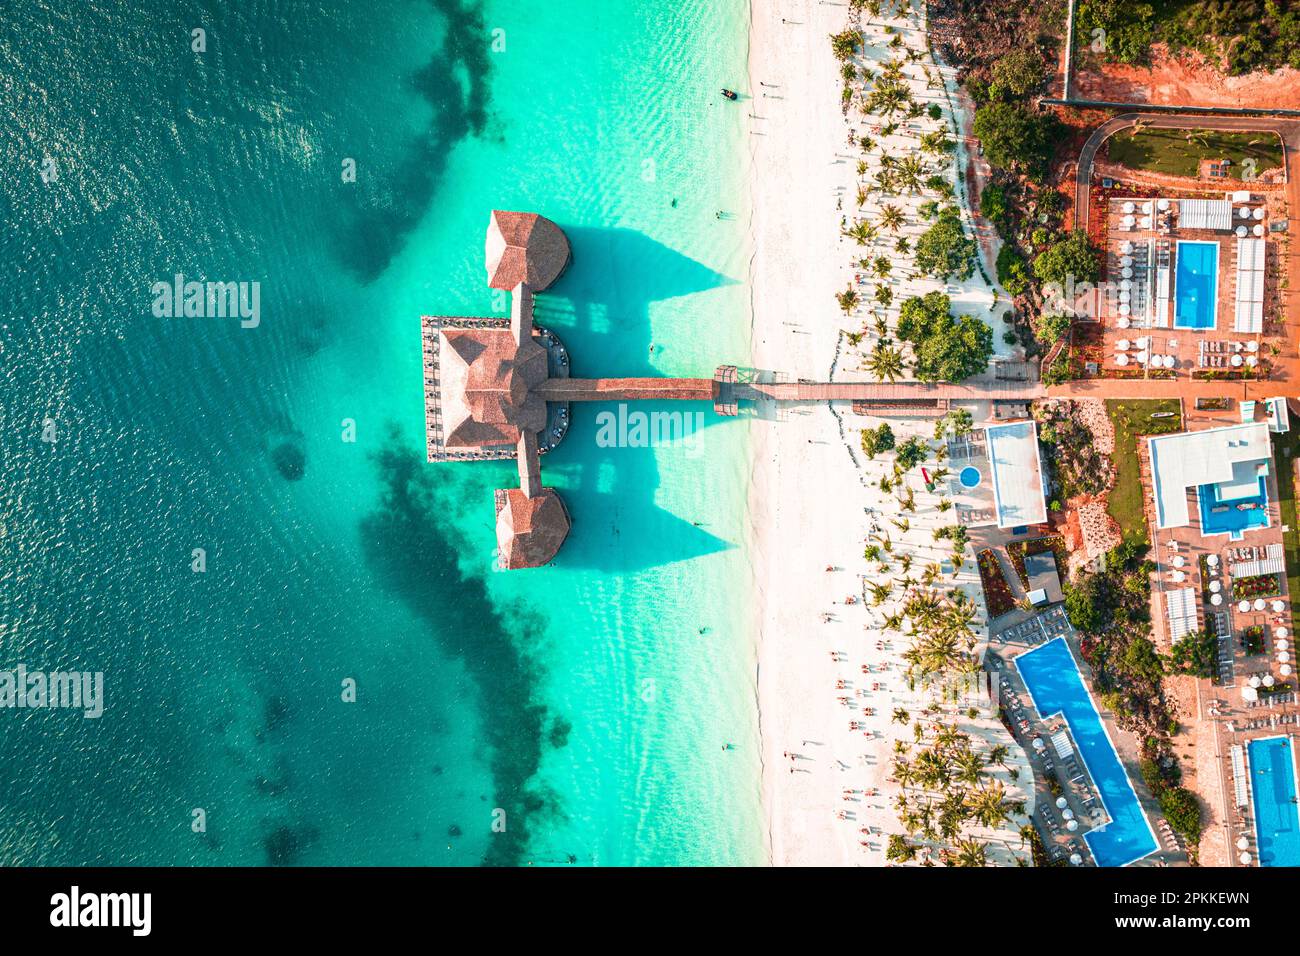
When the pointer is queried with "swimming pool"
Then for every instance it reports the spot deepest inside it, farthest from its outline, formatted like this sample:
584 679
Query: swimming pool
1272 787
1196 279
969 477
1228 518
1057 687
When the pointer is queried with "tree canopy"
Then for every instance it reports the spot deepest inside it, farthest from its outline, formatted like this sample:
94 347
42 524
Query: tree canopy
1014 137
947 349
1072 257
944 249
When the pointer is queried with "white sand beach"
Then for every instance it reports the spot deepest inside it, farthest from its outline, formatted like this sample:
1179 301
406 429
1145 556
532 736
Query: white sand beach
815 500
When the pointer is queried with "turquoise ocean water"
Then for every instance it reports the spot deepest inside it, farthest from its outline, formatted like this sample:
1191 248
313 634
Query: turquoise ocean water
590 701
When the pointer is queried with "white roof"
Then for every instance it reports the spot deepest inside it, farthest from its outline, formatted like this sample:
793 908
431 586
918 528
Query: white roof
1017 474
1238 775
1273 562
1279 418
1061 743
1204 214
1249 310
1180 608
1187 460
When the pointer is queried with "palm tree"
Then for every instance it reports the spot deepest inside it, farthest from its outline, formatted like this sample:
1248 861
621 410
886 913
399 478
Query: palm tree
901 716
885 362
989 805
881 267
970 767
848 299
893 622
861 231
971 853
880 592
908 501
911 174
936 142
891 217
998 755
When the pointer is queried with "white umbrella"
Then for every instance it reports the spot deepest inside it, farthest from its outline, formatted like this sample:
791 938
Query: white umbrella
1126 283
1122 322
1126 247
1282 643
1285 670
1125 260
1268 680
1259 213
1258 230
1215 587
1245 859
1241 231
1244 212
1068 814
1121 359
1143 342
1251 361
1170 361
1278 606
1255 681
1212 560
1072 825
1243 607
1179 561
1260 604
1180 577
1122 345
1145 222
1146 207
1252 346
1125 295
1243 844
1075 859
1283 657
1126 273
1140 358
1124 308
1129 207
1236 360
1162 204
1216 599
1060 802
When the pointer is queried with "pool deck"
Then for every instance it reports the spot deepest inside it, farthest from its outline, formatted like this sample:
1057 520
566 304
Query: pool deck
1252 770
1018 633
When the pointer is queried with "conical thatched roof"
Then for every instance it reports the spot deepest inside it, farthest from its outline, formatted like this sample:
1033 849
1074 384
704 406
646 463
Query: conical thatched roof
529 530
524 247
487 387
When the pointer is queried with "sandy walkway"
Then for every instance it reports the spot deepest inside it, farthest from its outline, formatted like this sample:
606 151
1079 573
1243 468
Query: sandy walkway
814 501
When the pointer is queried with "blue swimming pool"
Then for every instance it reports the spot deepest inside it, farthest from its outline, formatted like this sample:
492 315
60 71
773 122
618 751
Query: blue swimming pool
1196 279
1057 687
1224 517
1273 792
969 477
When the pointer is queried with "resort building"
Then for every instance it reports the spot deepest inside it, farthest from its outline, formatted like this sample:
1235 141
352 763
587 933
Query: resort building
1017 474
482 386
1224 468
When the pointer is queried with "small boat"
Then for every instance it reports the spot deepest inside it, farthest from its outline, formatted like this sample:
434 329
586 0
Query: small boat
730 94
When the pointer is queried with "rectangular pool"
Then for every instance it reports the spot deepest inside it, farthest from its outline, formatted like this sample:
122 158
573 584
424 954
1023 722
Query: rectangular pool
1273 793
1053 679
1196 280
1222 516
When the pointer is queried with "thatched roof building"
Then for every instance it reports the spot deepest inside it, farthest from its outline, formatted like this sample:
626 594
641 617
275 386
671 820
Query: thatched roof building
530 530
486 384
524 248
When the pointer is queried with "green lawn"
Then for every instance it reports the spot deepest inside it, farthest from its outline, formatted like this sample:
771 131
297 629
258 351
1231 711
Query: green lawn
1285 449
1133 418
1170 151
